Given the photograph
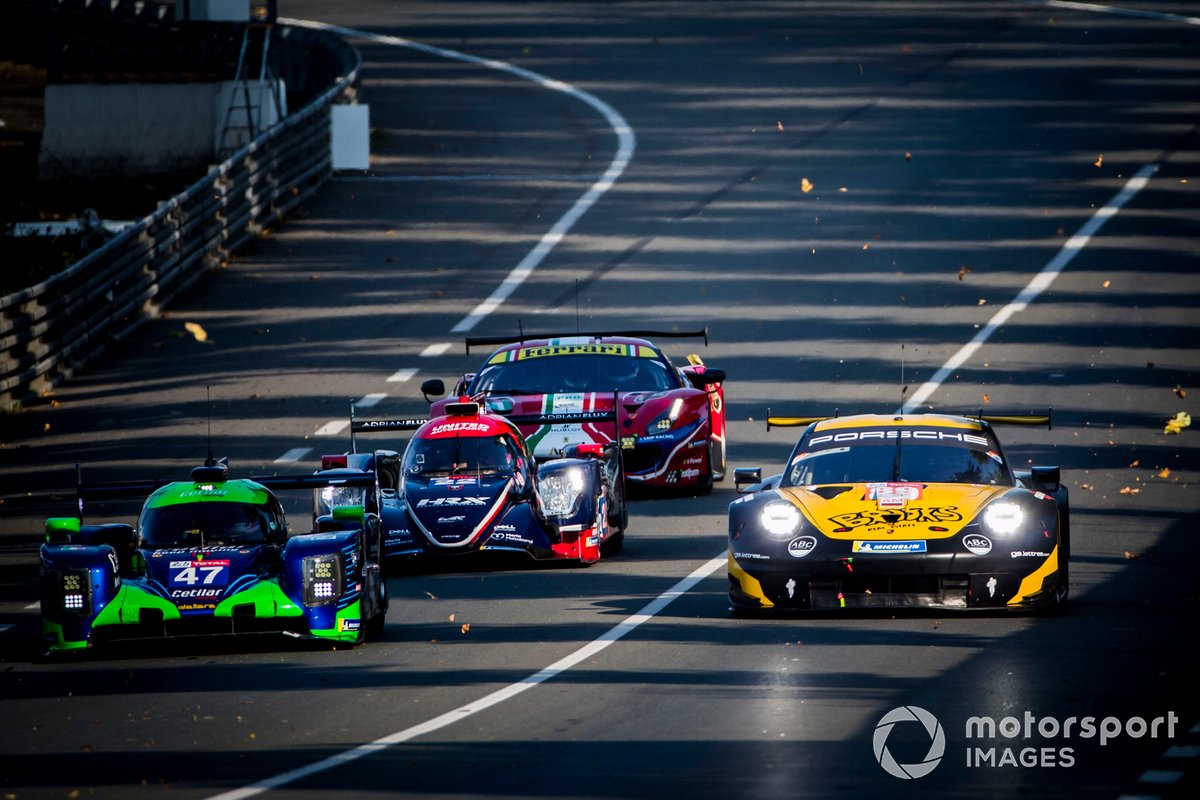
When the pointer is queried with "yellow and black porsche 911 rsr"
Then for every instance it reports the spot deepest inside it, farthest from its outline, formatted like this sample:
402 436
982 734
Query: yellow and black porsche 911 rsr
913 510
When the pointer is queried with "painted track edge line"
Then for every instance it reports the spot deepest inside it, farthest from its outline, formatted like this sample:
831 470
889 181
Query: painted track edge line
626 144
1038 284
614 634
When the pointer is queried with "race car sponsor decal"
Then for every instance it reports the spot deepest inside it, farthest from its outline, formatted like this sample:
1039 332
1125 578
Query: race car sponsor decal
893 516
510 536
195 594
861 546
460 427
977 544
573 349
197 572
451 501
454 482
450 520
189 551
689 473
892 434
802 546
349 625
195 606
1029 554
991 586
752 556
893 495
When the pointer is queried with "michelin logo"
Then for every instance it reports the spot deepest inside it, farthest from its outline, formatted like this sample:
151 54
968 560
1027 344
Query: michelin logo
889 547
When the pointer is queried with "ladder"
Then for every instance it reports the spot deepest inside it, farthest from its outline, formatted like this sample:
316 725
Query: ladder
243 117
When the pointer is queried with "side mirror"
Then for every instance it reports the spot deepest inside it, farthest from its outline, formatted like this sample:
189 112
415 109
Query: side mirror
61 530
435 387
745 477
1049 477
710 377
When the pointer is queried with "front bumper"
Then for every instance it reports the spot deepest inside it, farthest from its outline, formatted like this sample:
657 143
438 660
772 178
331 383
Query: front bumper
935 581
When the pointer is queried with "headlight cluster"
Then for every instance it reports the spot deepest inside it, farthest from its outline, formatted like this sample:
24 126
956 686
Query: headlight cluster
1003 518
322 579
667 419
330 496
75 589
560 492
780 519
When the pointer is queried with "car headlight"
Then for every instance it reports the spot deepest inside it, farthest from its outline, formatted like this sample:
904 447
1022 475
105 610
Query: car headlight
75 589
666 420
322 579
779 519
1003 518
331 496
560 492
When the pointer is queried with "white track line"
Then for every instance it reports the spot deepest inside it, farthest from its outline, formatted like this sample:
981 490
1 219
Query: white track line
626 143
1097 8
463 178
589 650
1039 284
293 455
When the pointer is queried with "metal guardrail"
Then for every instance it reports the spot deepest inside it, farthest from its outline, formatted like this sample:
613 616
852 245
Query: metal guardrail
48 331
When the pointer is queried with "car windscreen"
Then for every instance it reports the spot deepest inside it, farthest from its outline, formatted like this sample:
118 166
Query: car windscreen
576 373
924 455
458 455
204 524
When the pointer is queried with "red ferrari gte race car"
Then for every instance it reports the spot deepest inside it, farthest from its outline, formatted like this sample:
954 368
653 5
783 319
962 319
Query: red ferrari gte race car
670 428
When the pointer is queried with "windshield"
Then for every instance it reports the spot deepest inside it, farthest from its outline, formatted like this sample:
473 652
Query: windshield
576 373
461 455
848 458
205 525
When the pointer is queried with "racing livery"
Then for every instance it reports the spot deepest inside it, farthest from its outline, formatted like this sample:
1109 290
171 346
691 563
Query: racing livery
670 420
211 555
899 510
468 482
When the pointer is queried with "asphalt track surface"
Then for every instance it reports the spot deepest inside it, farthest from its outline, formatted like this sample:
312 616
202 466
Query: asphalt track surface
846 194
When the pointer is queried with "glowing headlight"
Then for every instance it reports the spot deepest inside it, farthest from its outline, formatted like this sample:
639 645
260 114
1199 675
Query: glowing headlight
664 422
560 492
1003 518
322 579
779 519
74 590
331 496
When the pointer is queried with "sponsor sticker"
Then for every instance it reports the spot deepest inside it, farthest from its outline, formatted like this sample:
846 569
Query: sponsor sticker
451 501
349 625
977 544
802 546
861 546
1029 554
893 495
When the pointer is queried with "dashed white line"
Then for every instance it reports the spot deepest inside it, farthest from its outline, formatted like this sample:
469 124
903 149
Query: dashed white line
400 376
499 696
366 401
435 350
1161 776
1039 284
332 428
293 455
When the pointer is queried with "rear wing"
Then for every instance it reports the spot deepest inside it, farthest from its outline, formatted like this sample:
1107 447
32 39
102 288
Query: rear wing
113 490
1046 419
480 341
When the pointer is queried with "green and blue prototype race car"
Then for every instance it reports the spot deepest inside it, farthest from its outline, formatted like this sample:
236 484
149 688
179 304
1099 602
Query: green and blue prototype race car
211 555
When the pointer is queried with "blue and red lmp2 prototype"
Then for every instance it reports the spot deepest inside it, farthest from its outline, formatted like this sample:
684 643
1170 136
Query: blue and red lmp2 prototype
211 555
670 420
468 482
916 510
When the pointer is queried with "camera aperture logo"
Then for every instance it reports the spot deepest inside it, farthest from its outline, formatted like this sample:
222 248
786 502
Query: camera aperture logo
937 742
1026 741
